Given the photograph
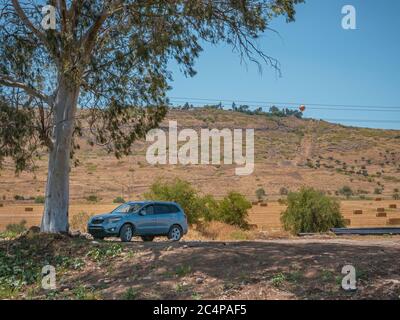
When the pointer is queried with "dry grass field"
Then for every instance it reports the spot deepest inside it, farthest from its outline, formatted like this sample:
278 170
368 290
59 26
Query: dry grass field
266 218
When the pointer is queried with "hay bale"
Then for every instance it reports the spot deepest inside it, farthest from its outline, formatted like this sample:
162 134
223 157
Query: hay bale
380 209
357 212
264 204
378 199
1 205
381 215
347 222
393 221
29 209
391 206
254 203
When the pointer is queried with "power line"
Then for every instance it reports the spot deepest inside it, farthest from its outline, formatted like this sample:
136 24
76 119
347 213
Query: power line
288 103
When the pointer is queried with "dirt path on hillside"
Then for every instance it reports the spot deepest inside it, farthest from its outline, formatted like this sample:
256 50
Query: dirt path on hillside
306 150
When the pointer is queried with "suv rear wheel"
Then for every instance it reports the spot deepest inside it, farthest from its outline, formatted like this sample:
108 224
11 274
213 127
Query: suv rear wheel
126 233
175 233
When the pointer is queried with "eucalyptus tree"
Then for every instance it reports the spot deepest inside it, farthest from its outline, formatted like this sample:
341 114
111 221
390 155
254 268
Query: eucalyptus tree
102 66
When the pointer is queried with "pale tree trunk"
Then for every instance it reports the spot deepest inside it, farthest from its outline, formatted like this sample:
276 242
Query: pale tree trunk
55 215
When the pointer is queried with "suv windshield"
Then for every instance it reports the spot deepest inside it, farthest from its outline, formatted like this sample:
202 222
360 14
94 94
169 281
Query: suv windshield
128 208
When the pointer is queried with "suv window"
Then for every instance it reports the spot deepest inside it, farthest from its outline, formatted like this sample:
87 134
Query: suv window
149 209
161 209
173 209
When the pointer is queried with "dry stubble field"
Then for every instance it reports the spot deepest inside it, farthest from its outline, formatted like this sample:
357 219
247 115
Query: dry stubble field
266 218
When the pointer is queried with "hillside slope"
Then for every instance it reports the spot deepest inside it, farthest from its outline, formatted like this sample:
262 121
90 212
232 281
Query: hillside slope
289 153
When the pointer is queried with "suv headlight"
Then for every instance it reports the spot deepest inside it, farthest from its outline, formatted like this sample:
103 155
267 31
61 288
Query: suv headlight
113 220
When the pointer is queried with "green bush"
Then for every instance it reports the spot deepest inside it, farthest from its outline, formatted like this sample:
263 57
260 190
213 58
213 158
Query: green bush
233 210
18 197
14 229
39 199
92 198
346 191
260 194
310 210
180 192
396 196
119 200
378 191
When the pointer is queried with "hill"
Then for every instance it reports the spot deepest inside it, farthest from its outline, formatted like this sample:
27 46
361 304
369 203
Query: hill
289 153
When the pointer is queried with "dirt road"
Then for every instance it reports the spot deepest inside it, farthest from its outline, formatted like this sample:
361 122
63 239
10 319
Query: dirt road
284 269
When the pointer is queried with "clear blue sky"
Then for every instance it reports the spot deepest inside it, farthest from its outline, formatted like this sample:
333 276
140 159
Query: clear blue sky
321 63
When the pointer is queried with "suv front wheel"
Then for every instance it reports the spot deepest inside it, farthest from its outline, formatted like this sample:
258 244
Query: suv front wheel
175 233
126 233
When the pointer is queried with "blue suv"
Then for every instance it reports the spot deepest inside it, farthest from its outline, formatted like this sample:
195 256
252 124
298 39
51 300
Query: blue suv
146 219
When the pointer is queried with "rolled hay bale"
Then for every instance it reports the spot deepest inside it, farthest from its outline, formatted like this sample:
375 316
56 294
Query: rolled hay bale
381 215
393 222
357 212
264 204
1 205
254 203
378 199
28 209
347 222
391 206
380 209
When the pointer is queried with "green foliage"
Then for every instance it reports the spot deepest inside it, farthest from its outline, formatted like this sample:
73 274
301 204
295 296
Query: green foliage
182 193
310 210
119 200
346 191
278 280
233 210
377 191
17 228
260 194
396 196
39 199
101 254
130 294
92 198
18 197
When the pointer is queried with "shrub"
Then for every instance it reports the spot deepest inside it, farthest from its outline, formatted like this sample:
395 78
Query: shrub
283 191
39 199
92 198
378 191
396 196
119 200
346 191
181 192
18 197
16 228
260 194
310 210
233 210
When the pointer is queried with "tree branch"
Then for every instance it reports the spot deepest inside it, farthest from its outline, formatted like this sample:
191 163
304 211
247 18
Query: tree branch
9 82
21 14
